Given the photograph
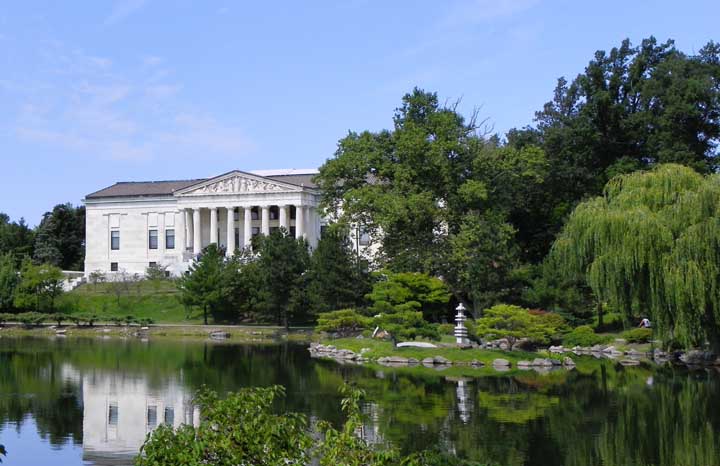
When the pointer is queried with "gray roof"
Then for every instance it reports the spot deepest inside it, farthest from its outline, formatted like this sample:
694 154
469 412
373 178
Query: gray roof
167 188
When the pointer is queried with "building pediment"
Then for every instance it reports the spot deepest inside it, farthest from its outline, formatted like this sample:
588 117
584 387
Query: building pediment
237 182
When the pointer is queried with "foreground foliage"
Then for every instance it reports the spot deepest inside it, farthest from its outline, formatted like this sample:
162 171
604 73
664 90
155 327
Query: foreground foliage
243 429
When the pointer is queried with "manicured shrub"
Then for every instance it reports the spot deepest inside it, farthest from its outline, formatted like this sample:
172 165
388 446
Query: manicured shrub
343 322
146 321
638 335
583 336
514 322
5 317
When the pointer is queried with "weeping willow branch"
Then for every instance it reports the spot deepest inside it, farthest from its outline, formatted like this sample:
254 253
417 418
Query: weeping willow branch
651 245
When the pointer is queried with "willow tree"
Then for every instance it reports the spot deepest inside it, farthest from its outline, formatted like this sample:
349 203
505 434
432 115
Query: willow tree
651 245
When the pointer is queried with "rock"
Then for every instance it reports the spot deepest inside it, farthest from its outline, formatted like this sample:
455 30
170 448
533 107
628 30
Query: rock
501 363
556 349
415 344
428 362
413 361
442 361
620 341
555 362
609 349
524 364
696 357
383 360
540 362
476 363
504 346
596 348
568 362
146 328
630 362
364 350
219 335
60 332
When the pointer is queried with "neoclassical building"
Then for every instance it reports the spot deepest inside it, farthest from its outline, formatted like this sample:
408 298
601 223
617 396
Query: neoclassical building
133 225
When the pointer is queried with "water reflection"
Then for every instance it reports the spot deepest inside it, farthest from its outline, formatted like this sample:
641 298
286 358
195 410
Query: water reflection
93 402
119 411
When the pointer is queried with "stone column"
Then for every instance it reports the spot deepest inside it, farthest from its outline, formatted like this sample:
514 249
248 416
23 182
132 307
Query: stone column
299 221
230 231
213 226
188 230
197 241
265 220
180 233
248 226
284 217
310 227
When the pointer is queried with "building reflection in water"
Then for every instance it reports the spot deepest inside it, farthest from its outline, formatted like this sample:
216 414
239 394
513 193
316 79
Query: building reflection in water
120 410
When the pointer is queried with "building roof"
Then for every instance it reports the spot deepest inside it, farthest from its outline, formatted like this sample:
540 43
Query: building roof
167 188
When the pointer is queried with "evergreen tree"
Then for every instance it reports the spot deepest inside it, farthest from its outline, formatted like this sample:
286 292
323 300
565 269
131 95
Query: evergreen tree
204 285
61 237
282 261
336 278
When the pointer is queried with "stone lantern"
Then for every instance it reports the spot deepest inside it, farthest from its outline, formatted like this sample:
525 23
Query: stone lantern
461 332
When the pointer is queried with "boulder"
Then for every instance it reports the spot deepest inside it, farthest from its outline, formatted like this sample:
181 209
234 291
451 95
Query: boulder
596 348
556 349
630 362
501 363
555 362
442 361
428 362
397 360
476 363
524 364
541 362
568 362
413 361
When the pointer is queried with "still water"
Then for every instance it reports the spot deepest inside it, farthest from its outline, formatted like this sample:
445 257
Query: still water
91 402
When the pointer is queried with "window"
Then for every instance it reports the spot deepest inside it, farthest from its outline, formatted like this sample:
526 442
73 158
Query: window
274 212
153 239
170 239
255 231
323 230
274 229
237 238
113 266
113 414
255 213
151 416
152 264
169 416
292 232
364 237
115 240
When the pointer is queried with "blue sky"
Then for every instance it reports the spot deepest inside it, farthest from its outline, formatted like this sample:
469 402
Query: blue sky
104 91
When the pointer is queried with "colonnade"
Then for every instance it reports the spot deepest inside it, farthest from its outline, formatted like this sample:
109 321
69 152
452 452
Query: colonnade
306 224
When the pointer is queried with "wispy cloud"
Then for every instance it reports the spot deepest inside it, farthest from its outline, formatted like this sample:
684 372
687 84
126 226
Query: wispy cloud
91 107
122 9
481 11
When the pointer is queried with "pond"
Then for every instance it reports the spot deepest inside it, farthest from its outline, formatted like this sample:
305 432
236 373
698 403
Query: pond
92 401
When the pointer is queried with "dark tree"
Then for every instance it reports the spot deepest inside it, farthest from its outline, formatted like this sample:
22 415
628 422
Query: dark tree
60 238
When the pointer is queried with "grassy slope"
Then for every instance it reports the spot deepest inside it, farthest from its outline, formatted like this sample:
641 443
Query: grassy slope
155 300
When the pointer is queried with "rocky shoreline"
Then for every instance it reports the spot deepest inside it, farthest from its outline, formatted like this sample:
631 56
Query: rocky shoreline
629 357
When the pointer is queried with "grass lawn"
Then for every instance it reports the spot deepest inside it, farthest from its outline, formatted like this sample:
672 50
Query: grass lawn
143 299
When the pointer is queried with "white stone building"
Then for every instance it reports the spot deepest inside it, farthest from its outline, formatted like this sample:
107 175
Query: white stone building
132 225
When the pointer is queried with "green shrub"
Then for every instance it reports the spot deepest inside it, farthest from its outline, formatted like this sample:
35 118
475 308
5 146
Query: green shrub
343 322
5 317
638 335
583 336
146 321
515 322
446 329
129 320
406 325
117 320
58 317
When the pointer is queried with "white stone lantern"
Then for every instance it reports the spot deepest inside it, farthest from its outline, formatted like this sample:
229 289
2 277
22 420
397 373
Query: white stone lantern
461 332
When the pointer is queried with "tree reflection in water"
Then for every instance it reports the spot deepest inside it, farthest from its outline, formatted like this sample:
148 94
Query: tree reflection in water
106 395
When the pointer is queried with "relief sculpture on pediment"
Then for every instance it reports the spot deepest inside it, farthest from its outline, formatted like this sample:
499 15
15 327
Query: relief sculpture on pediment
238 184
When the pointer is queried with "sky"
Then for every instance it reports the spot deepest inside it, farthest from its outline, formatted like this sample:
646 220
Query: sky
130 90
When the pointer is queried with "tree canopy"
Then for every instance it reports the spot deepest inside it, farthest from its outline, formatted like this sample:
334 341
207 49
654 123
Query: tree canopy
651 246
